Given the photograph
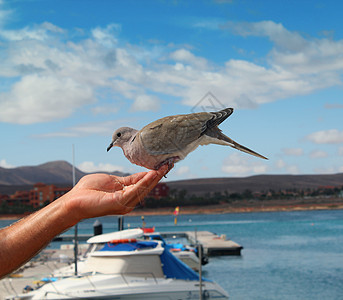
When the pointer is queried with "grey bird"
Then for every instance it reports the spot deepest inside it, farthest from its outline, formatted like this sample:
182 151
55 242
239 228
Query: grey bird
170 139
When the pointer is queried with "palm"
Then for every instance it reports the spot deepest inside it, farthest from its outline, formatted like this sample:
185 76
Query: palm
99 194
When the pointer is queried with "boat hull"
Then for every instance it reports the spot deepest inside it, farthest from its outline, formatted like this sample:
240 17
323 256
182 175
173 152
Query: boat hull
126 288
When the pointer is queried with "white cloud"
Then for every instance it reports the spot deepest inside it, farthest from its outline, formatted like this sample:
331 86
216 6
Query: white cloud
72 73
41 98
293 52
39 33
184 55
292 169
5 164
182 170
5 14
284 167
105 109
331 136
301 65
106 36
97 128
326 170
146 103
293 151
239 165
54 79
318 154
213 24
280 164
276 32
91 167
330 169
340 151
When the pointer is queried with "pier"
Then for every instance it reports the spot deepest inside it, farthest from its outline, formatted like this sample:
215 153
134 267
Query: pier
213 244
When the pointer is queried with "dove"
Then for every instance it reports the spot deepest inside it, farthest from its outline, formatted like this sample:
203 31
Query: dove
171 139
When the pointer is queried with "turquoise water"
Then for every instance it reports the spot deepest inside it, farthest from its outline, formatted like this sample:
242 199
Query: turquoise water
286 255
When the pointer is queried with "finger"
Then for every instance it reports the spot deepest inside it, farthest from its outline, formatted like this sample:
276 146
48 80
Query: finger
137 192
142 187
132 179
162 171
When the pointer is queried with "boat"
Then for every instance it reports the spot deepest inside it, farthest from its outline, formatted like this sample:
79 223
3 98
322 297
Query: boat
129 269
148 229
186 253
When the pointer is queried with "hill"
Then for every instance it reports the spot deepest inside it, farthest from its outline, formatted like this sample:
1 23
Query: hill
60 174
51 172
256 183
56 172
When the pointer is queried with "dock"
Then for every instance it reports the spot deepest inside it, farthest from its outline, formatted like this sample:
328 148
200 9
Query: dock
213 244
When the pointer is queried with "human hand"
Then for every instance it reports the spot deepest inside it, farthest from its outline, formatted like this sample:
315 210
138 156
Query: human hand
95 195
102 194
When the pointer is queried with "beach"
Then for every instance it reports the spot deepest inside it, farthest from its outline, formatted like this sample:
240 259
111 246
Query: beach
235 207
246 207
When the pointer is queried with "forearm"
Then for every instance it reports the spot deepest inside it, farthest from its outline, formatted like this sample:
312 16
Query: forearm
94 195
24 239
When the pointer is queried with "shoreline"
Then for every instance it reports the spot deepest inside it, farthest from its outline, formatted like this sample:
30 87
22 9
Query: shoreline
223 209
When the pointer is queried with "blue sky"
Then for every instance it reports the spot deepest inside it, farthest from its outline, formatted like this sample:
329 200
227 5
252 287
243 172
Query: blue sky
74 71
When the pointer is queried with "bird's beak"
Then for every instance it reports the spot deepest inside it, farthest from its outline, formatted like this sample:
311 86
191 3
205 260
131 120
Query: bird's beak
109 147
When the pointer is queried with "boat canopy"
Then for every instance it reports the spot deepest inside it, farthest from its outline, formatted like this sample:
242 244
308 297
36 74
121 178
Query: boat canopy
133 246
176 269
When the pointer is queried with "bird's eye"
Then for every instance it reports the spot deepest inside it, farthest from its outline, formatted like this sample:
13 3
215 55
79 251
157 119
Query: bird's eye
118 134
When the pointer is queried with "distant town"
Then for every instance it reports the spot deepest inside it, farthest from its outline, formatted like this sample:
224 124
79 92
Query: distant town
21 202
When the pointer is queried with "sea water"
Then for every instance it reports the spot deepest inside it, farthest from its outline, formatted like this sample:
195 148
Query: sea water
286 255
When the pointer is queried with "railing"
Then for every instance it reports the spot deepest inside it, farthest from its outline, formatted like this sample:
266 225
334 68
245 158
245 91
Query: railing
139 277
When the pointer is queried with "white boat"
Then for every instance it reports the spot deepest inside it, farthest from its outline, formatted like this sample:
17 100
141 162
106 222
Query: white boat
185 253
96 242
129 270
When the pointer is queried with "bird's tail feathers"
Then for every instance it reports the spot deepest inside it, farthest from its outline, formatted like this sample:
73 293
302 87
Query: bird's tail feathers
233 144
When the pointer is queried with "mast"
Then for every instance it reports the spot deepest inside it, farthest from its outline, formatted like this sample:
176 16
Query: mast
75 227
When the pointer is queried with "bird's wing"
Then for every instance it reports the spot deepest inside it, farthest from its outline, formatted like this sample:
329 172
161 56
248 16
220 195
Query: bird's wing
217 117
173 134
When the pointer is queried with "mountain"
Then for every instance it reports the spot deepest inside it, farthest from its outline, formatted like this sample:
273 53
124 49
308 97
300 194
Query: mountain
51 172
258 183
60 174
56 172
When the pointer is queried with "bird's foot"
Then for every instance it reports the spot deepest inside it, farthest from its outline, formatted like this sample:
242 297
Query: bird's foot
169 161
